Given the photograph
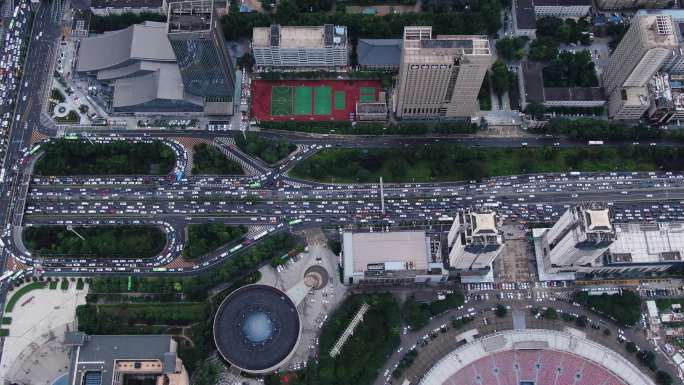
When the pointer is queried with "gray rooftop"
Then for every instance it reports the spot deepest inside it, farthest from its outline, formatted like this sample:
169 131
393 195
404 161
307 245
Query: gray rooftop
146 41
379 52
126 3
574 93
561 3
164 83
190 16
534 81
98 353
524 15
447 43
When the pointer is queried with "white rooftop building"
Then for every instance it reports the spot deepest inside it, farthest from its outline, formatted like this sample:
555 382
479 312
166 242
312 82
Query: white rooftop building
390 258
474 241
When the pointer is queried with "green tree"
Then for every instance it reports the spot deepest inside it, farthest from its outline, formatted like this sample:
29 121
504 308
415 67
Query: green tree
544 49
511 48
663 378
501 311
500 76
551 314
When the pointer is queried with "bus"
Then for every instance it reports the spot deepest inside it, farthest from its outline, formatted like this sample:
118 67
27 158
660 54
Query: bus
294 222
16 12
254 185
6 275
159 269
16 274
2 176
71 137
130 283
595 142
34 149
446 219
235 248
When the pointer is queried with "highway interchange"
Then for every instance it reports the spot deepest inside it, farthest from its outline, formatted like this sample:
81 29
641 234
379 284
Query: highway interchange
28 199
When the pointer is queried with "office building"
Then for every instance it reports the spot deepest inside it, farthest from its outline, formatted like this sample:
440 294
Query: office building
391 258
205 66
523 18
579 237
646 46
124 359
278 48
118 7
440 77
562 8
535 92
379 54
631 4
474 242
587 241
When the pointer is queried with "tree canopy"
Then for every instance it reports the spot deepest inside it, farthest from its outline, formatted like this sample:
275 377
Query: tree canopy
571 70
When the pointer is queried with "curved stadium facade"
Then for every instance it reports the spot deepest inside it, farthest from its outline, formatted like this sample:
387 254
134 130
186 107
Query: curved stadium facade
534 357
257 328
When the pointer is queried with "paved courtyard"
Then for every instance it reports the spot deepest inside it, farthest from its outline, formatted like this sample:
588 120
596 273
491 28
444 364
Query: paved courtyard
33 353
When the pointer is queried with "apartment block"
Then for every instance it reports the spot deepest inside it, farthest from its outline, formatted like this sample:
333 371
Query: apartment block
278 48
440 77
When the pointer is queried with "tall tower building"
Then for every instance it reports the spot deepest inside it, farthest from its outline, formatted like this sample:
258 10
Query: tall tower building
648 43
205 65
440 77
579 237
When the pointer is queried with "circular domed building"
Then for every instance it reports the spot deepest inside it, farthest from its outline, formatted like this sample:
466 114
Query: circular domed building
257 328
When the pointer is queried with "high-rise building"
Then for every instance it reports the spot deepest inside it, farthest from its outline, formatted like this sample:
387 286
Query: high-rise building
585 240
301 48
579 237
440 77
474 241
205 65
648 44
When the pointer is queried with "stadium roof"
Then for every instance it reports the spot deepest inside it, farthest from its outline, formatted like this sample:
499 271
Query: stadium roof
574 346
164 83
146 41
379 52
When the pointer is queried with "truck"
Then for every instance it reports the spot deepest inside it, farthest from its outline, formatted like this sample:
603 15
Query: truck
6 275
595 142
159 269
235 248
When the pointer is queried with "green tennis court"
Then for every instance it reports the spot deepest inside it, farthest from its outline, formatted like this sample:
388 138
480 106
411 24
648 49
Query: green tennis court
340 102
367 98
303 95
323 100
281 101
367 90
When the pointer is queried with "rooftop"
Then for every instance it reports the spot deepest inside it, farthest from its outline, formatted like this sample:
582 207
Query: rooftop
534 81
573 94
647 243
379 52
126 3
524 15
145 41
483 223
190 16
98 355
299 37
598 220
561 3
400 250
658 30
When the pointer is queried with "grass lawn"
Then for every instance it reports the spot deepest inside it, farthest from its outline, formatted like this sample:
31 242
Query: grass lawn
21 292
